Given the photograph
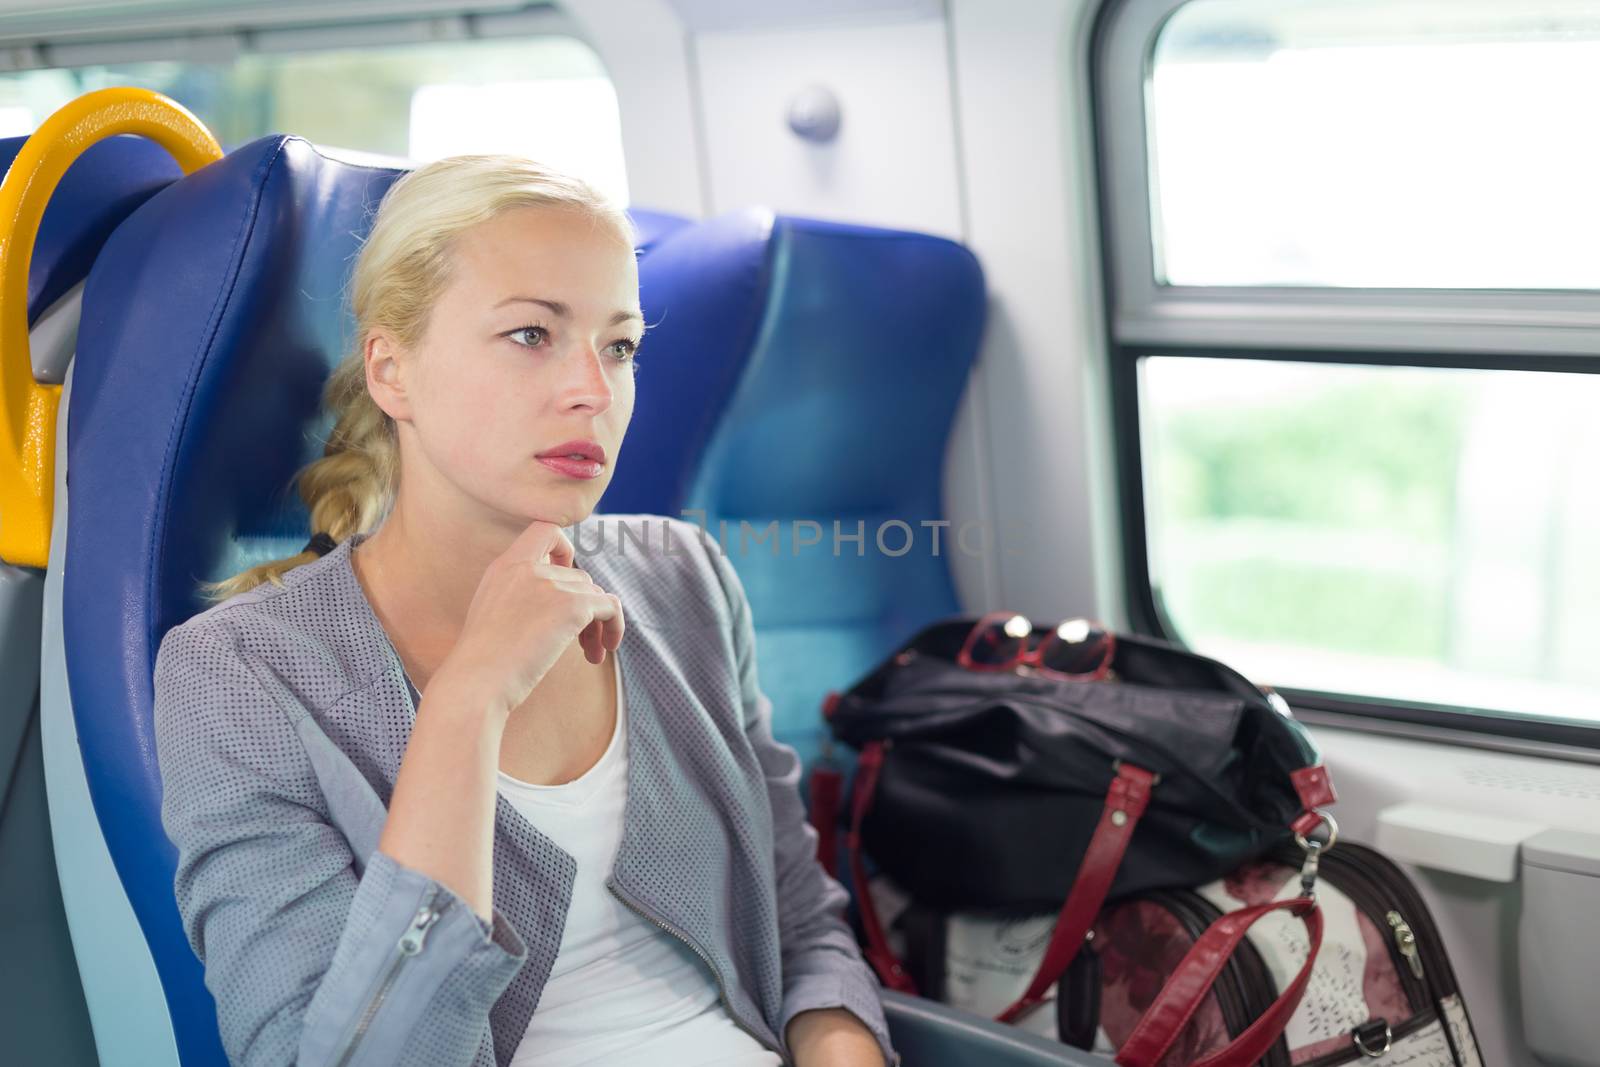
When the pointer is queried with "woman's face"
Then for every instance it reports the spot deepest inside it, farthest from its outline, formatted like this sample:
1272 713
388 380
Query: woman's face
529 346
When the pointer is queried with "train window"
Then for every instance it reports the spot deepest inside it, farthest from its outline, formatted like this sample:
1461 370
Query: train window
545 96
1415 533
1359 144
1354 319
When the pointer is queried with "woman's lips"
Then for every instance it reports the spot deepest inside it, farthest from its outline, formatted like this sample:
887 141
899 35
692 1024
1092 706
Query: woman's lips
573 468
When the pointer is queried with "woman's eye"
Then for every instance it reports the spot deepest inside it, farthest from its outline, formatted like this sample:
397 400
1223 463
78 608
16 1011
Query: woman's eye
537 330
624 349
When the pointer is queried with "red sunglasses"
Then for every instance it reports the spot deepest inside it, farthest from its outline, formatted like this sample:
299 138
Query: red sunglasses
1077 650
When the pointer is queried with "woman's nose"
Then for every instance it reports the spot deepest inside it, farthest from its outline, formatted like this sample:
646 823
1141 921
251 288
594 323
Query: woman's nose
585 383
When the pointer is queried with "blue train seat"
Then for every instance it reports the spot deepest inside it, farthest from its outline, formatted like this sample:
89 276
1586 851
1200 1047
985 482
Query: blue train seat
177 458
651 227
42 1006
211 320
796 372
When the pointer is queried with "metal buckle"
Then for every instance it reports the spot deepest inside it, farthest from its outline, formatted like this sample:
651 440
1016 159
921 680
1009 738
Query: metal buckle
1314 848
1310 845
1359 1039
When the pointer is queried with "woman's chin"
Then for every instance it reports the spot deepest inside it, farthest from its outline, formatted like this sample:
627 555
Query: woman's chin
563 509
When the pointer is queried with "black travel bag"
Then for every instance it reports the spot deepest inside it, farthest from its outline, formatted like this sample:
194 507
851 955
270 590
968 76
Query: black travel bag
1027 792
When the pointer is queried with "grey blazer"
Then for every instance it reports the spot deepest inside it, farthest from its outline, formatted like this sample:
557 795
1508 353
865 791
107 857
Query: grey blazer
281 717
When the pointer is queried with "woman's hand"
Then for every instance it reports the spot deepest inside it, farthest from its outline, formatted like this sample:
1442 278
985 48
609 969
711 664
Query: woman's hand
832 1037
529 605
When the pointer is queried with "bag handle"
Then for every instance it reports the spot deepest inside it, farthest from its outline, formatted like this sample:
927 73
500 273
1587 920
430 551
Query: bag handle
877 952
1126 801
1193 978
826 790
827 786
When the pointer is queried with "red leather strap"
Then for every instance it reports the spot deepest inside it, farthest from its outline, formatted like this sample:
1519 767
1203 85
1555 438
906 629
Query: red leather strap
878 953
827 786
1181 997
1306 822
1313 786
1125 804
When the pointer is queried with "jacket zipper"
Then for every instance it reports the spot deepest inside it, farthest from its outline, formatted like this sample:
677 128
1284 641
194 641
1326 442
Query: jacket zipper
722 992
409 945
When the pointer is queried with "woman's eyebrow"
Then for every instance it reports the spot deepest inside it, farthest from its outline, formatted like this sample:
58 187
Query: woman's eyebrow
561 311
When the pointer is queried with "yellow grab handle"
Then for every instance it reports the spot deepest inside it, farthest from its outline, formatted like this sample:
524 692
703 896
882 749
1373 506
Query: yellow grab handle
28 408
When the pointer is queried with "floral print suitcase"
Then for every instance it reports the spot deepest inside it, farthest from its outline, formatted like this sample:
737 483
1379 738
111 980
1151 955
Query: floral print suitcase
1382 991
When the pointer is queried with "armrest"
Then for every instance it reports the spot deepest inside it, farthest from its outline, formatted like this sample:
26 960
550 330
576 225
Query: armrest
929 1034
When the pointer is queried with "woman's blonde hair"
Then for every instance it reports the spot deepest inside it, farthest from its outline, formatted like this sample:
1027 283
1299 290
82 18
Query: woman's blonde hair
403 265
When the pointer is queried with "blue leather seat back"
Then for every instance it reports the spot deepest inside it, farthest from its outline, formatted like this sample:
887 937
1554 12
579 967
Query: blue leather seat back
651 226
703 291
102 187
807 371
43 1008
99 190
211 321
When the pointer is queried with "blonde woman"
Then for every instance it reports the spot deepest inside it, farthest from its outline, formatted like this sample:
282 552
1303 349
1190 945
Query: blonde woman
453 787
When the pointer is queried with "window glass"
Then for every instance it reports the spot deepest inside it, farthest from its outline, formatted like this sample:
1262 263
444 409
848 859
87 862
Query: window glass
1408 533
1377 143
544 97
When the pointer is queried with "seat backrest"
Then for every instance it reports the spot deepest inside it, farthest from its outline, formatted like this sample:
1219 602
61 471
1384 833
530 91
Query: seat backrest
42 1006
97 192
101 188
211 322
804 372
651 226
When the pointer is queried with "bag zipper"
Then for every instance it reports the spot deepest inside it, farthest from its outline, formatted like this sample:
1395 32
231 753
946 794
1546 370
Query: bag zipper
722 992
1415 947
1244 973
410 944
1396 1033
1378 894
1440 977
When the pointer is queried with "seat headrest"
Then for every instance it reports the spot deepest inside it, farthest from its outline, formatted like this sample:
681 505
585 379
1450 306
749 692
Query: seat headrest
101 188
794 343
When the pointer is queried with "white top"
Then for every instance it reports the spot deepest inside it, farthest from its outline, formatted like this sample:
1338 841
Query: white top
622 991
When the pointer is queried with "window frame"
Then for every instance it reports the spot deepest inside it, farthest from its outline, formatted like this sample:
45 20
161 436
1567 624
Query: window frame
1477 329
1542 321
206 35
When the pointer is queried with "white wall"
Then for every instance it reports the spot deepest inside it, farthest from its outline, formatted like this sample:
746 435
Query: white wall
893 161
1023 113
645 48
